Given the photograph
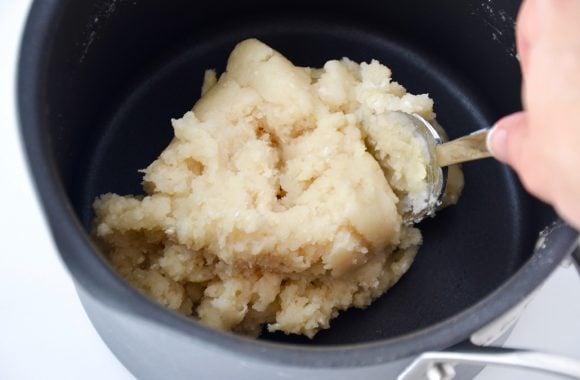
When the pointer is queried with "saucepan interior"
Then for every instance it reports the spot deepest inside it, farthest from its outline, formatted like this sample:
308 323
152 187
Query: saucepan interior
117 71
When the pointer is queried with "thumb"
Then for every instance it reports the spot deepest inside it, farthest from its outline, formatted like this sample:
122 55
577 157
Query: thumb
505 138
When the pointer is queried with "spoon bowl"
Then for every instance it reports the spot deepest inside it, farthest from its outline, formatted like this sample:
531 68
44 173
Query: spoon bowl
442 154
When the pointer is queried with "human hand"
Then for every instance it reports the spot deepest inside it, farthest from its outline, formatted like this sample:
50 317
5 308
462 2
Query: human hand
542 143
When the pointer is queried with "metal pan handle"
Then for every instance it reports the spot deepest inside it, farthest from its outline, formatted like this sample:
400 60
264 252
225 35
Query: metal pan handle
440 365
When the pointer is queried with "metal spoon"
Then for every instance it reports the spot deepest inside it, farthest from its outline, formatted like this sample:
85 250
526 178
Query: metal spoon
442 154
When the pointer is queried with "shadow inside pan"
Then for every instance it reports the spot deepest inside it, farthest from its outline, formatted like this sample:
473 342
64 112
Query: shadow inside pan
469 249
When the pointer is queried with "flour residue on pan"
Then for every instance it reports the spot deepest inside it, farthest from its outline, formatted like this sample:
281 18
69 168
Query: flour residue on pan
500 23
102 14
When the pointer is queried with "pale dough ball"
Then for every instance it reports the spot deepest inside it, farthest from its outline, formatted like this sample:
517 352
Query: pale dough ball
277 202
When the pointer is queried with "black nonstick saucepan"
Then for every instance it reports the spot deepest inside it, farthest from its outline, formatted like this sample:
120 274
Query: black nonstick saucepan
99 80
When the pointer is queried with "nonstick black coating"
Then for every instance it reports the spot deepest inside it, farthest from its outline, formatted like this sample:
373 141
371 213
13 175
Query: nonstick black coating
469 249
97 98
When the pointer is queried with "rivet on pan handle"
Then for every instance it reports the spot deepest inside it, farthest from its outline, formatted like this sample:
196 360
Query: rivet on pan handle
440 365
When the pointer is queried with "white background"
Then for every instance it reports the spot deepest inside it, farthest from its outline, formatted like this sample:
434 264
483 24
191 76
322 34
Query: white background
44 332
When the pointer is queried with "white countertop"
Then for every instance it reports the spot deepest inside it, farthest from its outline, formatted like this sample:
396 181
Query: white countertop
44 331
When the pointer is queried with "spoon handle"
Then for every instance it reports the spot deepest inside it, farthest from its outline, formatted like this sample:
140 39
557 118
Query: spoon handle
466 148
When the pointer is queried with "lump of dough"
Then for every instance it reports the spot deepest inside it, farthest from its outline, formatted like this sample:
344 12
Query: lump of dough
277 202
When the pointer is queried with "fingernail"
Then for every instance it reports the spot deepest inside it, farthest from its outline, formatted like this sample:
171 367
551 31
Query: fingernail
497 143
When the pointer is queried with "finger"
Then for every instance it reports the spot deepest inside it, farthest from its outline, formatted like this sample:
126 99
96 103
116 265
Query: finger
557 21
522 33
508 141
506 138
569 210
